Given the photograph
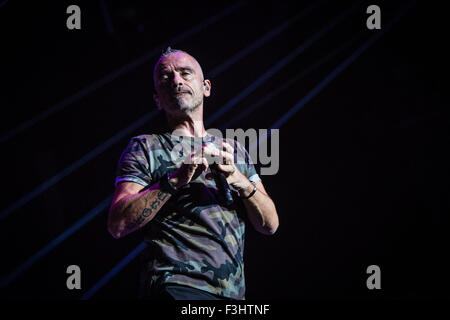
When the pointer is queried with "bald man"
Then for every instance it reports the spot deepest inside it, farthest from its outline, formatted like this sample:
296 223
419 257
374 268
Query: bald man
195 241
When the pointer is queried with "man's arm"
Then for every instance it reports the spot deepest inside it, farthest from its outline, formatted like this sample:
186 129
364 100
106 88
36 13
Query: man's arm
261 209
132 207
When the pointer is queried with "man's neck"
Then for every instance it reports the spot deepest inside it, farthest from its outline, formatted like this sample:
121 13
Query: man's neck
190 126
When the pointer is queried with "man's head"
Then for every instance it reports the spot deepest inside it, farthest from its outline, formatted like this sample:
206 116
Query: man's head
179 84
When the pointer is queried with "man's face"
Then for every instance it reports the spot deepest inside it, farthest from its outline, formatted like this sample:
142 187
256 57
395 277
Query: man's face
179 84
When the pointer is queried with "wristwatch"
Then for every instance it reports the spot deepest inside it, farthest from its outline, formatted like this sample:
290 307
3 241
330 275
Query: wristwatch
166 186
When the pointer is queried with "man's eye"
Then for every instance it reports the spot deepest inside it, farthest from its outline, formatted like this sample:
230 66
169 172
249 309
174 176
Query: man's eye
185 73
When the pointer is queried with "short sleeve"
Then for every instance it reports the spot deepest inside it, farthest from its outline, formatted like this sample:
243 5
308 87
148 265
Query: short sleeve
134 165
244 162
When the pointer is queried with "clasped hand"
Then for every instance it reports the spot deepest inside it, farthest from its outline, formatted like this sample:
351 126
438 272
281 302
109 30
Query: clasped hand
200 160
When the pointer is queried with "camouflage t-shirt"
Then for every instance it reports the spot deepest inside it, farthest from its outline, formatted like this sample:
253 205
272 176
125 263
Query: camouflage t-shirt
194 240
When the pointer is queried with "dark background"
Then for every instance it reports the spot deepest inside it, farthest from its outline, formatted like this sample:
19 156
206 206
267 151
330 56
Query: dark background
363 173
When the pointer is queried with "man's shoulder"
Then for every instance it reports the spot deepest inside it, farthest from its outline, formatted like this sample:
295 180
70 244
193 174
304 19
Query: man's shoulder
144 138
147 137
151 141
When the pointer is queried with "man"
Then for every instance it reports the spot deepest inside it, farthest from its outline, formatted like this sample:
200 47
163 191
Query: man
195 241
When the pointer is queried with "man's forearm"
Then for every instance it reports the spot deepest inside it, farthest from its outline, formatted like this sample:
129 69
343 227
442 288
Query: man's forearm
134 211
261 210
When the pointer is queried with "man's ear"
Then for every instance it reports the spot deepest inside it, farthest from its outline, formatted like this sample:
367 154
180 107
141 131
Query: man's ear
156 99
206 88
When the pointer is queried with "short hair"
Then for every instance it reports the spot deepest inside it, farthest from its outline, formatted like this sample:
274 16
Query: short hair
169 51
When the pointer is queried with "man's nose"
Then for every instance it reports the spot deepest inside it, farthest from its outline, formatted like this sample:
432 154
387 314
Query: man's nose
177 80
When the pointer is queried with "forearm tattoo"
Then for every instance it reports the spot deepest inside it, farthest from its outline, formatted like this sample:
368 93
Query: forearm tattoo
160 196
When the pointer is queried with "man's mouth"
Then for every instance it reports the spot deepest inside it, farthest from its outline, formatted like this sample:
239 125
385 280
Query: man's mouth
179 93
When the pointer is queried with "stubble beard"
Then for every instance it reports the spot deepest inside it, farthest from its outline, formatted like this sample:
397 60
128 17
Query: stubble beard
189 107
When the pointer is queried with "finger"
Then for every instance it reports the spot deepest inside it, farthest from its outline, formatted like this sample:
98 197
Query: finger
191 171
192 167
227 168
224 158
196 160
217 156
191 158
198 152
212 154
229 150
227 157
228 147
210 149
204 163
